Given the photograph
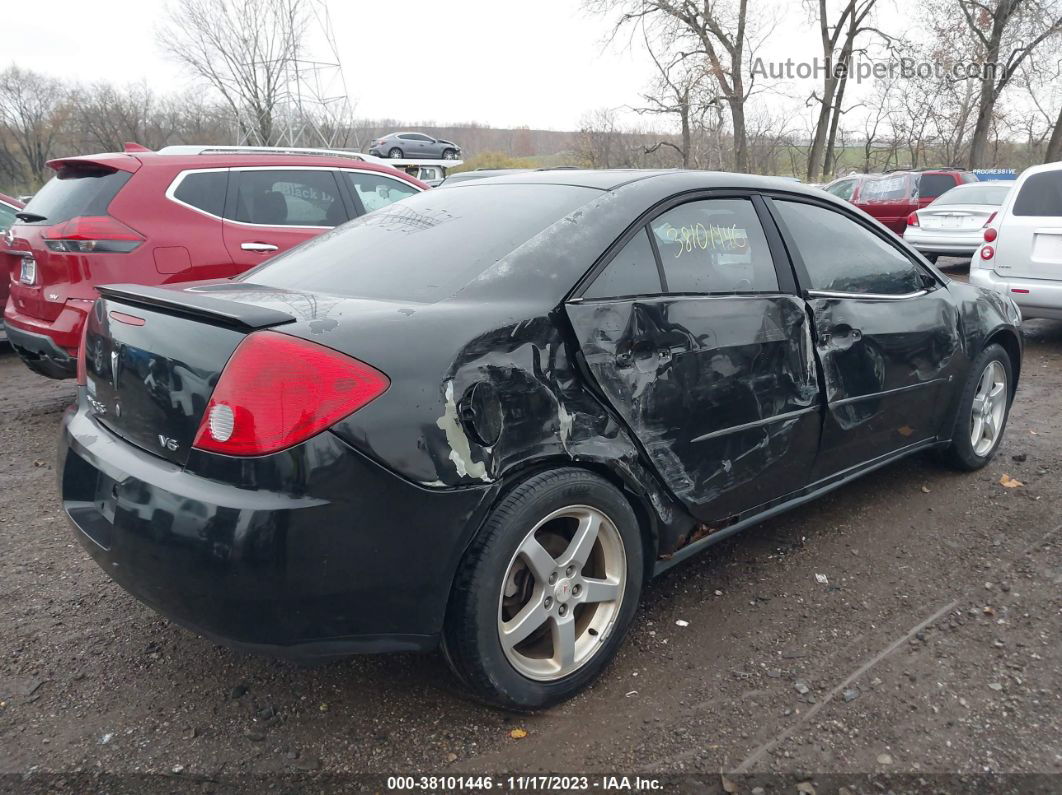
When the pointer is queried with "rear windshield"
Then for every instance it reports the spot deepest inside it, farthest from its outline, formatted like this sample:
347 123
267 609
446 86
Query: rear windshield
424 248
975 194
1041 195
932 185
76 191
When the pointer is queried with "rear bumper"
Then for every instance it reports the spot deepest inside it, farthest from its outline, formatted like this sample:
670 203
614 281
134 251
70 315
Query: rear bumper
331 554
48 347
1035 297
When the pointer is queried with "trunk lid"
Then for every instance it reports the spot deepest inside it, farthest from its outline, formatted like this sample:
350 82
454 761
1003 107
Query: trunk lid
153 357
955 217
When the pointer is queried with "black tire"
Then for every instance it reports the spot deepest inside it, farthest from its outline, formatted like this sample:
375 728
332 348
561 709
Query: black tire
394 153
471 639
932 257
449 154
960 454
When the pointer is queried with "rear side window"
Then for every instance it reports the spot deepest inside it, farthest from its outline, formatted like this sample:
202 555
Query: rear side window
884 189
714 246
631 272
375 191
1041 195
932 185
77 191
842 256
204 190
427 247
284 197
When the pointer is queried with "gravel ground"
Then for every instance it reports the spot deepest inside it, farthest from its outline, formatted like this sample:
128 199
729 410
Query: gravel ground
933 647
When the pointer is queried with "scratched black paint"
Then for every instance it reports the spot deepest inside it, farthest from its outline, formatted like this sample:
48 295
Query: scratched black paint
707 410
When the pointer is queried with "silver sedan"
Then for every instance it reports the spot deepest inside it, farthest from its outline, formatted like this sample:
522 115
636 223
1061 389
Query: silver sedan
953 225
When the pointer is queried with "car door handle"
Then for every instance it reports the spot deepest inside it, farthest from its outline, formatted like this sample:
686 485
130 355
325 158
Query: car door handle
263 247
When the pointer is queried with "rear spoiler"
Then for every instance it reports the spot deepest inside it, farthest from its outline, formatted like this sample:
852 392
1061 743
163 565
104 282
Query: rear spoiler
216 311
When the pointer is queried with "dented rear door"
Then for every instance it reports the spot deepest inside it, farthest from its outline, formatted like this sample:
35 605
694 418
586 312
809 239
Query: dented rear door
716 373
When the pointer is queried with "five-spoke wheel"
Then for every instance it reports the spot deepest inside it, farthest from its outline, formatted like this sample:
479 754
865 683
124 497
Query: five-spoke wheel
989 408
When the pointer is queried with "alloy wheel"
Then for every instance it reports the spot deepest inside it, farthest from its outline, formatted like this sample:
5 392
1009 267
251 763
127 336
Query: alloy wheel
562 593
989 408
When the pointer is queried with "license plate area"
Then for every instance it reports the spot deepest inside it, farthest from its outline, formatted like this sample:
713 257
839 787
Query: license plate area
106 500
28 271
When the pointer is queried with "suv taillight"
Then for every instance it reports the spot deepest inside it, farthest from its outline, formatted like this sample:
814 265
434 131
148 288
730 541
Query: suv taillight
82 368
991 218
991 234
277 391
92 234
912 219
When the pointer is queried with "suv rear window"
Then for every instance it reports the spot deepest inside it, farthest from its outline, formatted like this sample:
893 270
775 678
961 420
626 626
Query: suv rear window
1041 195
424 248
77 191
932 185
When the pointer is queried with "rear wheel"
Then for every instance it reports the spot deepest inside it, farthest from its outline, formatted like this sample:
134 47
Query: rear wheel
543 598
984 406
394 153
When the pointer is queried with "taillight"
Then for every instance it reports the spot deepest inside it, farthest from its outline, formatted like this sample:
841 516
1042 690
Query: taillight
912 219
987 252
990 234
89 234
991 218
277 391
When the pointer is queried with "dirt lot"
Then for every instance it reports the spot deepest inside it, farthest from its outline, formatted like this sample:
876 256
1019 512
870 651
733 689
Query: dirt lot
933 648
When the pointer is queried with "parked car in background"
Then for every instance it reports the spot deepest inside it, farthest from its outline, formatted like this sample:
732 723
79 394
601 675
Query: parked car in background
483 417
179 214
481 173
9 205
413 145
1021 252
845 187
953 225
892 197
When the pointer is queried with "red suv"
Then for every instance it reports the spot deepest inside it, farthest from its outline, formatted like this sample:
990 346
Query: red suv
180 214
891 197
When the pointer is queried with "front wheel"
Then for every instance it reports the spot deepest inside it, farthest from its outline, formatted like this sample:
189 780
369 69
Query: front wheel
543 598
984 407
449 154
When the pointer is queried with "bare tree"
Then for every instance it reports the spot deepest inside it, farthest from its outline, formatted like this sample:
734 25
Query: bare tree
245 50
839 41
719 33
1008 32
32 107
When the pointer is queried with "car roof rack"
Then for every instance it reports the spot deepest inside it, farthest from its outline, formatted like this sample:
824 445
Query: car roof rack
264 150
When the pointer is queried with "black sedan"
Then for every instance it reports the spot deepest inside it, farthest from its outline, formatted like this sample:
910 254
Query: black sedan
482 417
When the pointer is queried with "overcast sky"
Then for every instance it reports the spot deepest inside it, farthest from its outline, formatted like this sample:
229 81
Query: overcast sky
542 64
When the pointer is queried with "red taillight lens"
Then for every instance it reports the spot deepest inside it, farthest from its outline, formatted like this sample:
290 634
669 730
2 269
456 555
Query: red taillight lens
912 219
991 218
987 252
277 391
89 234
990 234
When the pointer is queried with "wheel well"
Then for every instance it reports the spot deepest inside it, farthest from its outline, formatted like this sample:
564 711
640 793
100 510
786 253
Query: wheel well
647 524
1008 341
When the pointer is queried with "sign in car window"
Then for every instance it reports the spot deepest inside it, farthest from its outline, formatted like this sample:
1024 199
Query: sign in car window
886 189
714 246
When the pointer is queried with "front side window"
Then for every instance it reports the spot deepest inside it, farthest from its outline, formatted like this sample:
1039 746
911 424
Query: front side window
631 272
1041 195
714 246
376 191
289 198
842 256
842 190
